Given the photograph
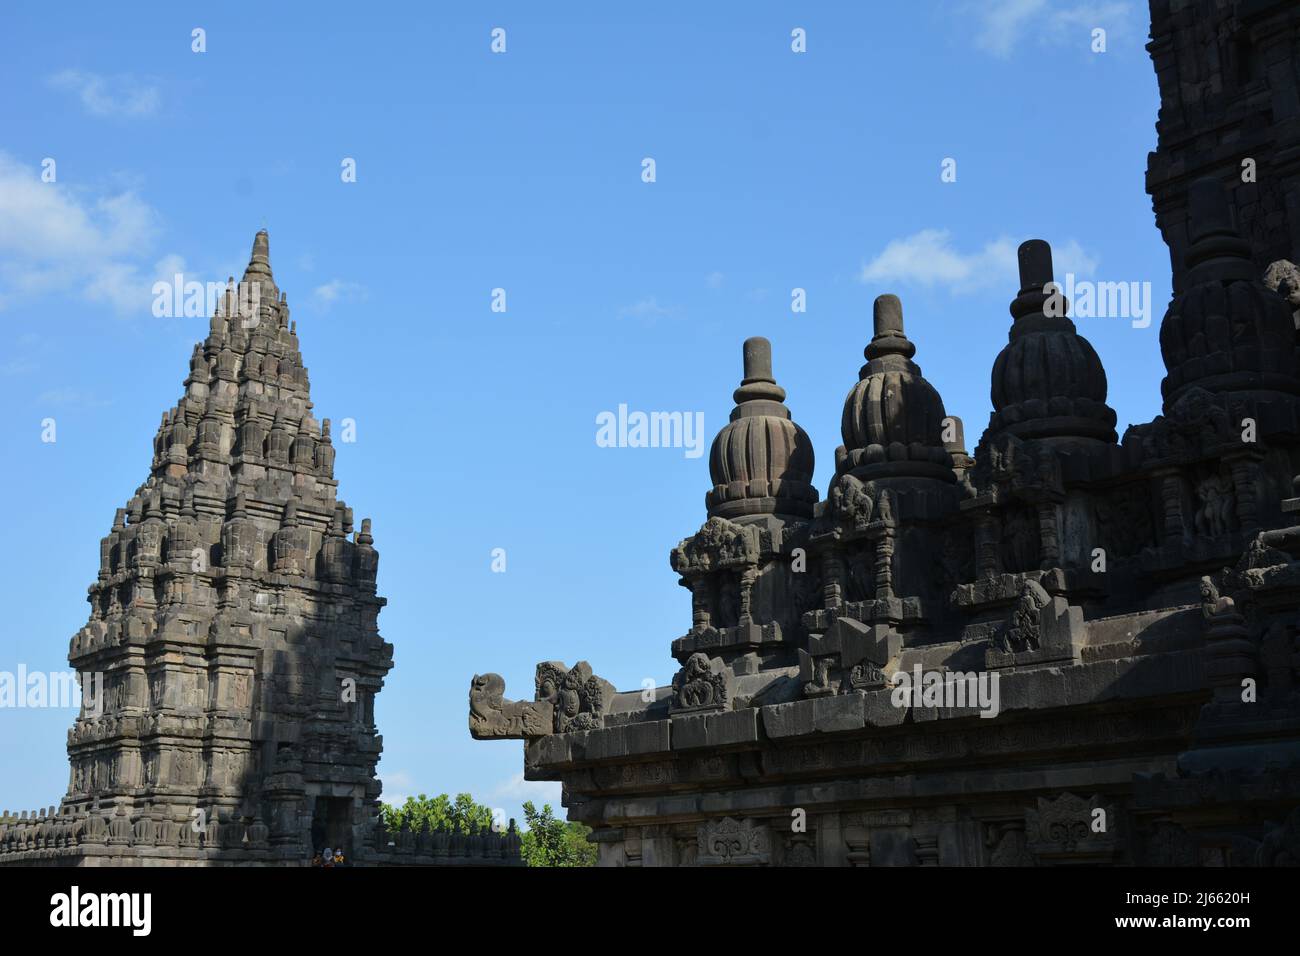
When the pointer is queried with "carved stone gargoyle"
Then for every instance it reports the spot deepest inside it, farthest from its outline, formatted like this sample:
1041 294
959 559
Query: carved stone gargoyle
492 717
565 701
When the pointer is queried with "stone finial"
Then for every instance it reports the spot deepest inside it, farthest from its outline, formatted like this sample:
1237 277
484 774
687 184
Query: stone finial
957 445
760 462
260 260
892 418
1048 381
889 337
1035 260
758 382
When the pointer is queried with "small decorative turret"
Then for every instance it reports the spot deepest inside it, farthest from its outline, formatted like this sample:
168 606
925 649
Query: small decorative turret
289 544
303 452
279 440
1227 331
1048 382
893 421
325 452
334 562
183 539
251 437
147 545
761 461
366 559
240 537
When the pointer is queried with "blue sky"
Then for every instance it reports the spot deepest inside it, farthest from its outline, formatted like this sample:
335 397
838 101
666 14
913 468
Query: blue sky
522 171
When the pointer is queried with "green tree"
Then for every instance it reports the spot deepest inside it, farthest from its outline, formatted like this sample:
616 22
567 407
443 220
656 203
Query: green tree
552 842
440 812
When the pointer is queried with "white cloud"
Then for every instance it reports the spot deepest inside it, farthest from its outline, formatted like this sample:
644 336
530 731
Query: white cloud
539 791
16 367
647 309
54 239
1006 25
928 258
71 397
335 291
122 95
714 280
398 785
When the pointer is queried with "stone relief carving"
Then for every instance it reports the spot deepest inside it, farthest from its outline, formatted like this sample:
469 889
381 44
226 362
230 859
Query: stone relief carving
700 685
718 544
578 698
731 842
1023 628
1214 507
1069 826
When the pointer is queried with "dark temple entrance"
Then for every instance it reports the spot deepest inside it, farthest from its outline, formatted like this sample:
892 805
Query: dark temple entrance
331 824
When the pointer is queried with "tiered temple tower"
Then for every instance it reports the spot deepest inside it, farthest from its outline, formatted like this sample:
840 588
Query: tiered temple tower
234 628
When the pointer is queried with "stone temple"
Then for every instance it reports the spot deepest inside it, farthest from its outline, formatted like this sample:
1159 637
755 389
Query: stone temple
234 623
1067 647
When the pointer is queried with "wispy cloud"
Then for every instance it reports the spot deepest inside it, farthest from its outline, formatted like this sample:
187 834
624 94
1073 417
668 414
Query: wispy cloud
398 785
929 258
109 96
647 309
71 398
335 291
54 238
1005 25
